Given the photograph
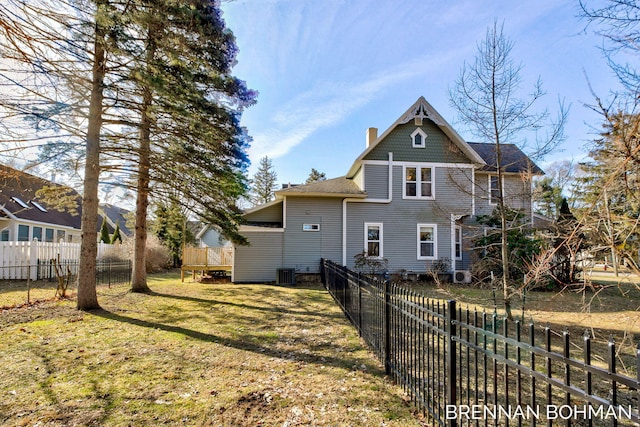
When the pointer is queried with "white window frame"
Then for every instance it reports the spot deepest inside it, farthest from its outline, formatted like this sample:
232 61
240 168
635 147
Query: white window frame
418 182
311 227
423 134
380 238
457 242
434 241
493 201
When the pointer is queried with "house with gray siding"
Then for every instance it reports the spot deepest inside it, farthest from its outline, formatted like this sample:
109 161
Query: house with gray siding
412 197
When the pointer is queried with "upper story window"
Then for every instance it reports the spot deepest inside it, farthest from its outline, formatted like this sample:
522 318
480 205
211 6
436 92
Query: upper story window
373 239
494 189
418 182
418 139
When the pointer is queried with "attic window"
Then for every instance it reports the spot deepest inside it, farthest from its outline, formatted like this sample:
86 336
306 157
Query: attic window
20 202
419 139
39 206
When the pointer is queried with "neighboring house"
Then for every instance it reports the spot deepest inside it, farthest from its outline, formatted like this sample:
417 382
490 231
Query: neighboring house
25 216
412 197
209 237
116 216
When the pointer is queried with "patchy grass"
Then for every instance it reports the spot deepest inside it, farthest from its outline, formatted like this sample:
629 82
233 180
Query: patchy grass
191 354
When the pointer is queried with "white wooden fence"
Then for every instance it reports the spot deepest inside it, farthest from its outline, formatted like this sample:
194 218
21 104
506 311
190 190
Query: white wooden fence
18 260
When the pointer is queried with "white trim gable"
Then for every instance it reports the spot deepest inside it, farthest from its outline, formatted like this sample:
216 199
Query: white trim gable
419 110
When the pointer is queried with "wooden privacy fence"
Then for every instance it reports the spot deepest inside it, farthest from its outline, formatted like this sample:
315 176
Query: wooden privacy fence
218 260
469 368
15 257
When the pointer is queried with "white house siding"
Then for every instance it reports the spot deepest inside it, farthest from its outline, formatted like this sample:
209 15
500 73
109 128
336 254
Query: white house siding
401 216
258 262
303 249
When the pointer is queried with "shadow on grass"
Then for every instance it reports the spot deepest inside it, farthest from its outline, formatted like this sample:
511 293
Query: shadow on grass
245 345
271 309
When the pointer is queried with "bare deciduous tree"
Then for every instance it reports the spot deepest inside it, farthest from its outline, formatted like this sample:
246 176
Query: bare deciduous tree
486 97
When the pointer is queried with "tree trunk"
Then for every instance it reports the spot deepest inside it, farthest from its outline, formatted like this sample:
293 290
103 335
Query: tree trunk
139 276
87 296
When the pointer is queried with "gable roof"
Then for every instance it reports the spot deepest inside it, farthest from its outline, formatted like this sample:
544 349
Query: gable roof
18 199
513 159
335 187
421 109
116 215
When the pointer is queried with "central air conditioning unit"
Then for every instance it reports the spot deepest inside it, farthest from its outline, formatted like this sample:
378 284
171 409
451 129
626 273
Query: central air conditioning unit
462 276
286 276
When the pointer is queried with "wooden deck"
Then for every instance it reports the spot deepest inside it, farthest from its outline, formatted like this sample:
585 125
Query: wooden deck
218 261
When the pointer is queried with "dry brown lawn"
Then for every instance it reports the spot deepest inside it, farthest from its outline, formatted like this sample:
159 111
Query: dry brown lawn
191 354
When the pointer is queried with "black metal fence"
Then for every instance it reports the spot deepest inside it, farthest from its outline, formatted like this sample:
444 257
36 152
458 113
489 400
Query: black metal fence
468 368
108 272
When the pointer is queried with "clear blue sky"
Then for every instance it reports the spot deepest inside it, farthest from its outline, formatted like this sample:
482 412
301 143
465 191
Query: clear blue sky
327 70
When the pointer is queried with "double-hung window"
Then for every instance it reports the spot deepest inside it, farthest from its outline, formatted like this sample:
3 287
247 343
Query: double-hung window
458 242
23 233
494 189
373 239
418 182
427 241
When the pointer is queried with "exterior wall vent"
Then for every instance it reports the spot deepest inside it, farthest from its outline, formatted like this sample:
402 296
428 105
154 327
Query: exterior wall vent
286 276
462 276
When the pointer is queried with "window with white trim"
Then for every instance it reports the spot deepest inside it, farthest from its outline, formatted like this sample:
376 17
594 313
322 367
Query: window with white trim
373 239
48 235
37 234
4 235
418 139
23 233
458 242
494 189
427 241
418 182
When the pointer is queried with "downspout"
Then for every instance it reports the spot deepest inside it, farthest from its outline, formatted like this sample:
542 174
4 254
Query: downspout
354 200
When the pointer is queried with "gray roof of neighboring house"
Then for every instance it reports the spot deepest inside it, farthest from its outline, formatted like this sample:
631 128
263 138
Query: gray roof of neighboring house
116 215
513 159
335 187
18 188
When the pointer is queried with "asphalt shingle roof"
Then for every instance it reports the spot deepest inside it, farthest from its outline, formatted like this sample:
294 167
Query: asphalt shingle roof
513 159
18 185
336 186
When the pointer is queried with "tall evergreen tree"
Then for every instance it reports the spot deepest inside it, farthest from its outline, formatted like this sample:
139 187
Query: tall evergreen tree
117 234
104 232
315 176
263 184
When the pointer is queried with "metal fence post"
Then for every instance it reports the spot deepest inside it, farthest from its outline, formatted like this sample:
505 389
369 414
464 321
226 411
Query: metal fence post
451 359
386 327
